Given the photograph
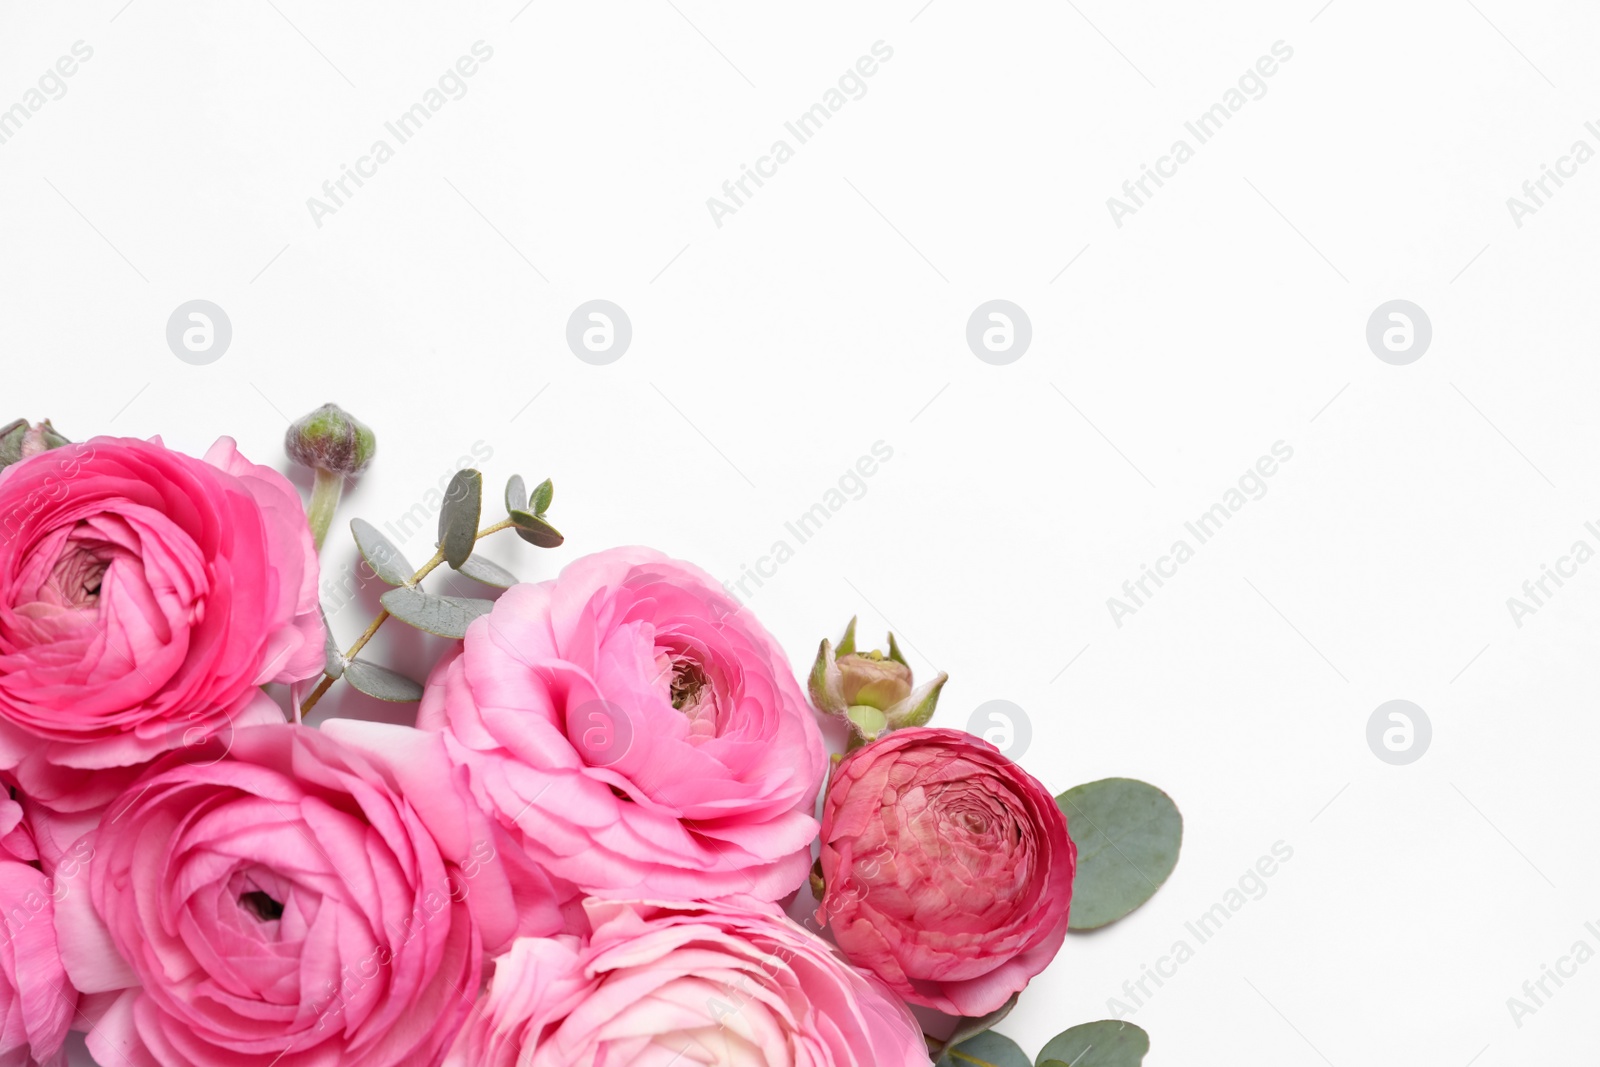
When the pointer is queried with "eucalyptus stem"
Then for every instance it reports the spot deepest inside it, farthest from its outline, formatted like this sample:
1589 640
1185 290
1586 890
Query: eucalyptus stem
325 493
383 616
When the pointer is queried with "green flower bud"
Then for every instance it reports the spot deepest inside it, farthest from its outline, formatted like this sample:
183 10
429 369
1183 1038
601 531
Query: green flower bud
872 690
19 440
331 439
871 679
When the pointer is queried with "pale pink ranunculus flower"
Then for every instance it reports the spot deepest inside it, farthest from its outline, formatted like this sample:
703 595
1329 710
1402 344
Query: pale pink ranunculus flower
947 869
299 897
145 595
644 732
670 985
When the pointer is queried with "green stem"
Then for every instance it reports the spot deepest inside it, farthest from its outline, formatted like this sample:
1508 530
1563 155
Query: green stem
325 493
383 616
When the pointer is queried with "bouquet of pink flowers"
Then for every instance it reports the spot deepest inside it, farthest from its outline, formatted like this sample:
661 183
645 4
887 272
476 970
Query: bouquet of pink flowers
587 850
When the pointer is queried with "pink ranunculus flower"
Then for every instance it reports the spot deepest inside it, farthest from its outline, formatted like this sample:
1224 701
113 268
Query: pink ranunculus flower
145 595
669 985
37 1002
947 869
299 897
644 733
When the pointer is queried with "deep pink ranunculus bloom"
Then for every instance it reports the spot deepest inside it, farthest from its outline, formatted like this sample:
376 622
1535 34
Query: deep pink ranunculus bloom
644 732
948 869
145 595
669 985
295 897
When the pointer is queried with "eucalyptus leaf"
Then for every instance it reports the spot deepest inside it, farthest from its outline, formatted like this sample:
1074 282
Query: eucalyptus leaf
458 520
987 1049
543 493
516 494
966 1029
381 682
1107 1043
387 561
1128 835
535 530
447 616
488 572
332 657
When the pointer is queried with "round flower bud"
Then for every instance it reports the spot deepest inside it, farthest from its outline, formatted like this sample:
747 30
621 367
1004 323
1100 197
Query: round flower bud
331 439
19 440
874 680
947 869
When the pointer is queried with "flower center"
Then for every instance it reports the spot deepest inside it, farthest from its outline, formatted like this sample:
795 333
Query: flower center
688 679
76 577
262 906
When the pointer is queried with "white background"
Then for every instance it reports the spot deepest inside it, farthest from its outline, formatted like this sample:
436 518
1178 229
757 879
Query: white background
829 313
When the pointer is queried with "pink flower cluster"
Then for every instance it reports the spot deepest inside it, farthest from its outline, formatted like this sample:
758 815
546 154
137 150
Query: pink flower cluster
580 855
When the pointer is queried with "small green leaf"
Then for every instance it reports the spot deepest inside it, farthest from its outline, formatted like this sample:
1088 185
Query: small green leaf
516 494
895 653
332 657
966 1029
458 520
1107 1043
1128 835
488 572
386 560
543 493
447 616
987 1049
535 530
381 682
847 643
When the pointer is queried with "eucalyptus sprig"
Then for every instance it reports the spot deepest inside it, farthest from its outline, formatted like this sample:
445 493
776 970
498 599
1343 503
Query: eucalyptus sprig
1105 1043
446 616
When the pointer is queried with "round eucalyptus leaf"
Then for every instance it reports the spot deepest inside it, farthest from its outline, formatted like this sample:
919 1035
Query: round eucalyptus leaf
516 494
386 561
988 1049
535 530
488 572
1107 1043
447 616
543 493
381 682
458 519
1128 834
